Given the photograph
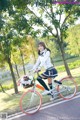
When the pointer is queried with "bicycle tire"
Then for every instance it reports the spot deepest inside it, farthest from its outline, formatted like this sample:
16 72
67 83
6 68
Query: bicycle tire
25 98
63 95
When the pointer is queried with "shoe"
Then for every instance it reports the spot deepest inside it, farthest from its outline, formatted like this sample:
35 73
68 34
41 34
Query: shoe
52 98
45 92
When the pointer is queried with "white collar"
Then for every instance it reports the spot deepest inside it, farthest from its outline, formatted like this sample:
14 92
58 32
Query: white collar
42 52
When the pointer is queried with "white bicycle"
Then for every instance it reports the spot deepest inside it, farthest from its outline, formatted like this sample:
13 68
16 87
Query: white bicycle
31 100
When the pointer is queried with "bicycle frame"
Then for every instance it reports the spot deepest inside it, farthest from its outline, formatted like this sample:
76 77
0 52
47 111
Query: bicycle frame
54 91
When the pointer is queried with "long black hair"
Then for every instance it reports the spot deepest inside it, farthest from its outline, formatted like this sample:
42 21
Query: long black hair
43 44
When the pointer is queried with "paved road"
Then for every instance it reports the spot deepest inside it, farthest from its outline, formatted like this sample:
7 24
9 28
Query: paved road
64 110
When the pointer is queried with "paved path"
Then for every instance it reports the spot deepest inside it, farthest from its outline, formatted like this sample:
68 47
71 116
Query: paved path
63 110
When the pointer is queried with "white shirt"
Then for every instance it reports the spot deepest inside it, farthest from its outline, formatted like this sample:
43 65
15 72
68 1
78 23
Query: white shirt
43 61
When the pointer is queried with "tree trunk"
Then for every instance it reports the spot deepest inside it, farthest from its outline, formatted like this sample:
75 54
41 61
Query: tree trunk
64 60
34 56
33 53
2 88
22 62
23 65
17 70
13 76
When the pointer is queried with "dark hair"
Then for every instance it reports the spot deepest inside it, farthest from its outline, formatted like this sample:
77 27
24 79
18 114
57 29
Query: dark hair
43 44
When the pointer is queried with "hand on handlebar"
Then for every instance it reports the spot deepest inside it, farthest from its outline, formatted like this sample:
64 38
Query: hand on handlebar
18 83
37 70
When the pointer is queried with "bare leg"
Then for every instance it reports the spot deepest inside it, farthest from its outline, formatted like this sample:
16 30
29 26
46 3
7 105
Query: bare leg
50 83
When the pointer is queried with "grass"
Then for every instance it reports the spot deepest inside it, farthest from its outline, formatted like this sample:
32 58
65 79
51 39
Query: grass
10 103
69 60
72 65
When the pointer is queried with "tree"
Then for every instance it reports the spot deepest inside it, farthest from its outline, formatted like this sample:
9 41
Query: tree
2 88
31 48
22 30
6 41
54 13
73 40
12 24
15 58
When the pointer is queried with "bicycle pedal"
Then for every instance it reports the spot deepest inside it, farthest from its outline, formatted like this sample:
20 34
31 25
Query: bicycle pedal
60 83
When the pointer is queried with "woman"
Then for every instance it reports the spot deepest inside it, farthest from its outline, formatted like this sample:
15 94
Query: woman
45 61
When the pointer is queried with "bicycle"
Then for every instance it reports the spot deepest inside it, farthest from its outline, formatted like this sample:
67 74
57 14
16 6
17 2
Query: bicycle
31 100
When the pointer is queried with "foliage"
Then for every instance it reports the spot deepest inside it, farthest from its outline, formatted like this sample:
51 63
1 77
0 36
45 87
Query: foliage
73 65
53 24
73 40
51 45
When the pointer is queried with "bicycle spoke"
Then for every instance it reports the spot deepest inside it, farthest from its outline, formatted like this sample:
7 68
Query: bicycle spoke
30 100
68 88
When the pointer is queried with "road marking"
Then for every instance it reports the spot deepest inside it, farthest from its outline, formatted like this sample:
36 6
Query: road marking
20 114
59 103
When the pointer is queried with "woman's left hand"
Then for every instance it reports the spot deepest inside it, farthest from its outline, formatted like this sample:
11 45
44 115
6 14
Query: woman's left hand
37 70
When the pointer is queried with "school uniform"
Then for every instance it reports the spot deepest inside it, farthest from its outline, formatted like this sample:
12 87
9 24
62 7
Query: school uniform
45 61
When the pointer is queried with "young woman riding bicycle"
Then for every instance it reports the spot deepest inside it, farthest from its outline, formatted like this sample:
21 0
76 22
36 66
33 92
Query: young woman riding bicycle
45 61
31 100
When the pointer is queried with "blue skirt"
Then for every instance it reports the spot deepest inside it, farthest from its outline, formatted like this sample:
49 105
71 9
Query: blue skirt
50 73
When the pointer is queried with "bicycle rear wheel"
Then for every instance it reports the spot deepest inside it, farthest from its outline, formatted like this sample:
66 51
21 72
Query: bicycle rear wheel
68 88
30 102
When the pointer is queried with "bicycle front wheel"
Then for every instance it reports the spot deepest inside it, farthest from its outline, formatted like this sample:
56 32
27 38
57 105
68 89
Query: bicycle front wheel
68 88
30 102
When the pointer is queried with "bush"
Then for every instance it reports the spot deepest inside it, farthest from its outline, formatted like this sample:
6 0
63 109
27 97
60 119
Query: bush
60 68
72 65
7 87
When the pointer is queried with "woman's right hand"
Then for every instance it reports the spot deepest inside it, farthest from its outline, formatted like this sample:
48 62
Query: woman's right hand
18 83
